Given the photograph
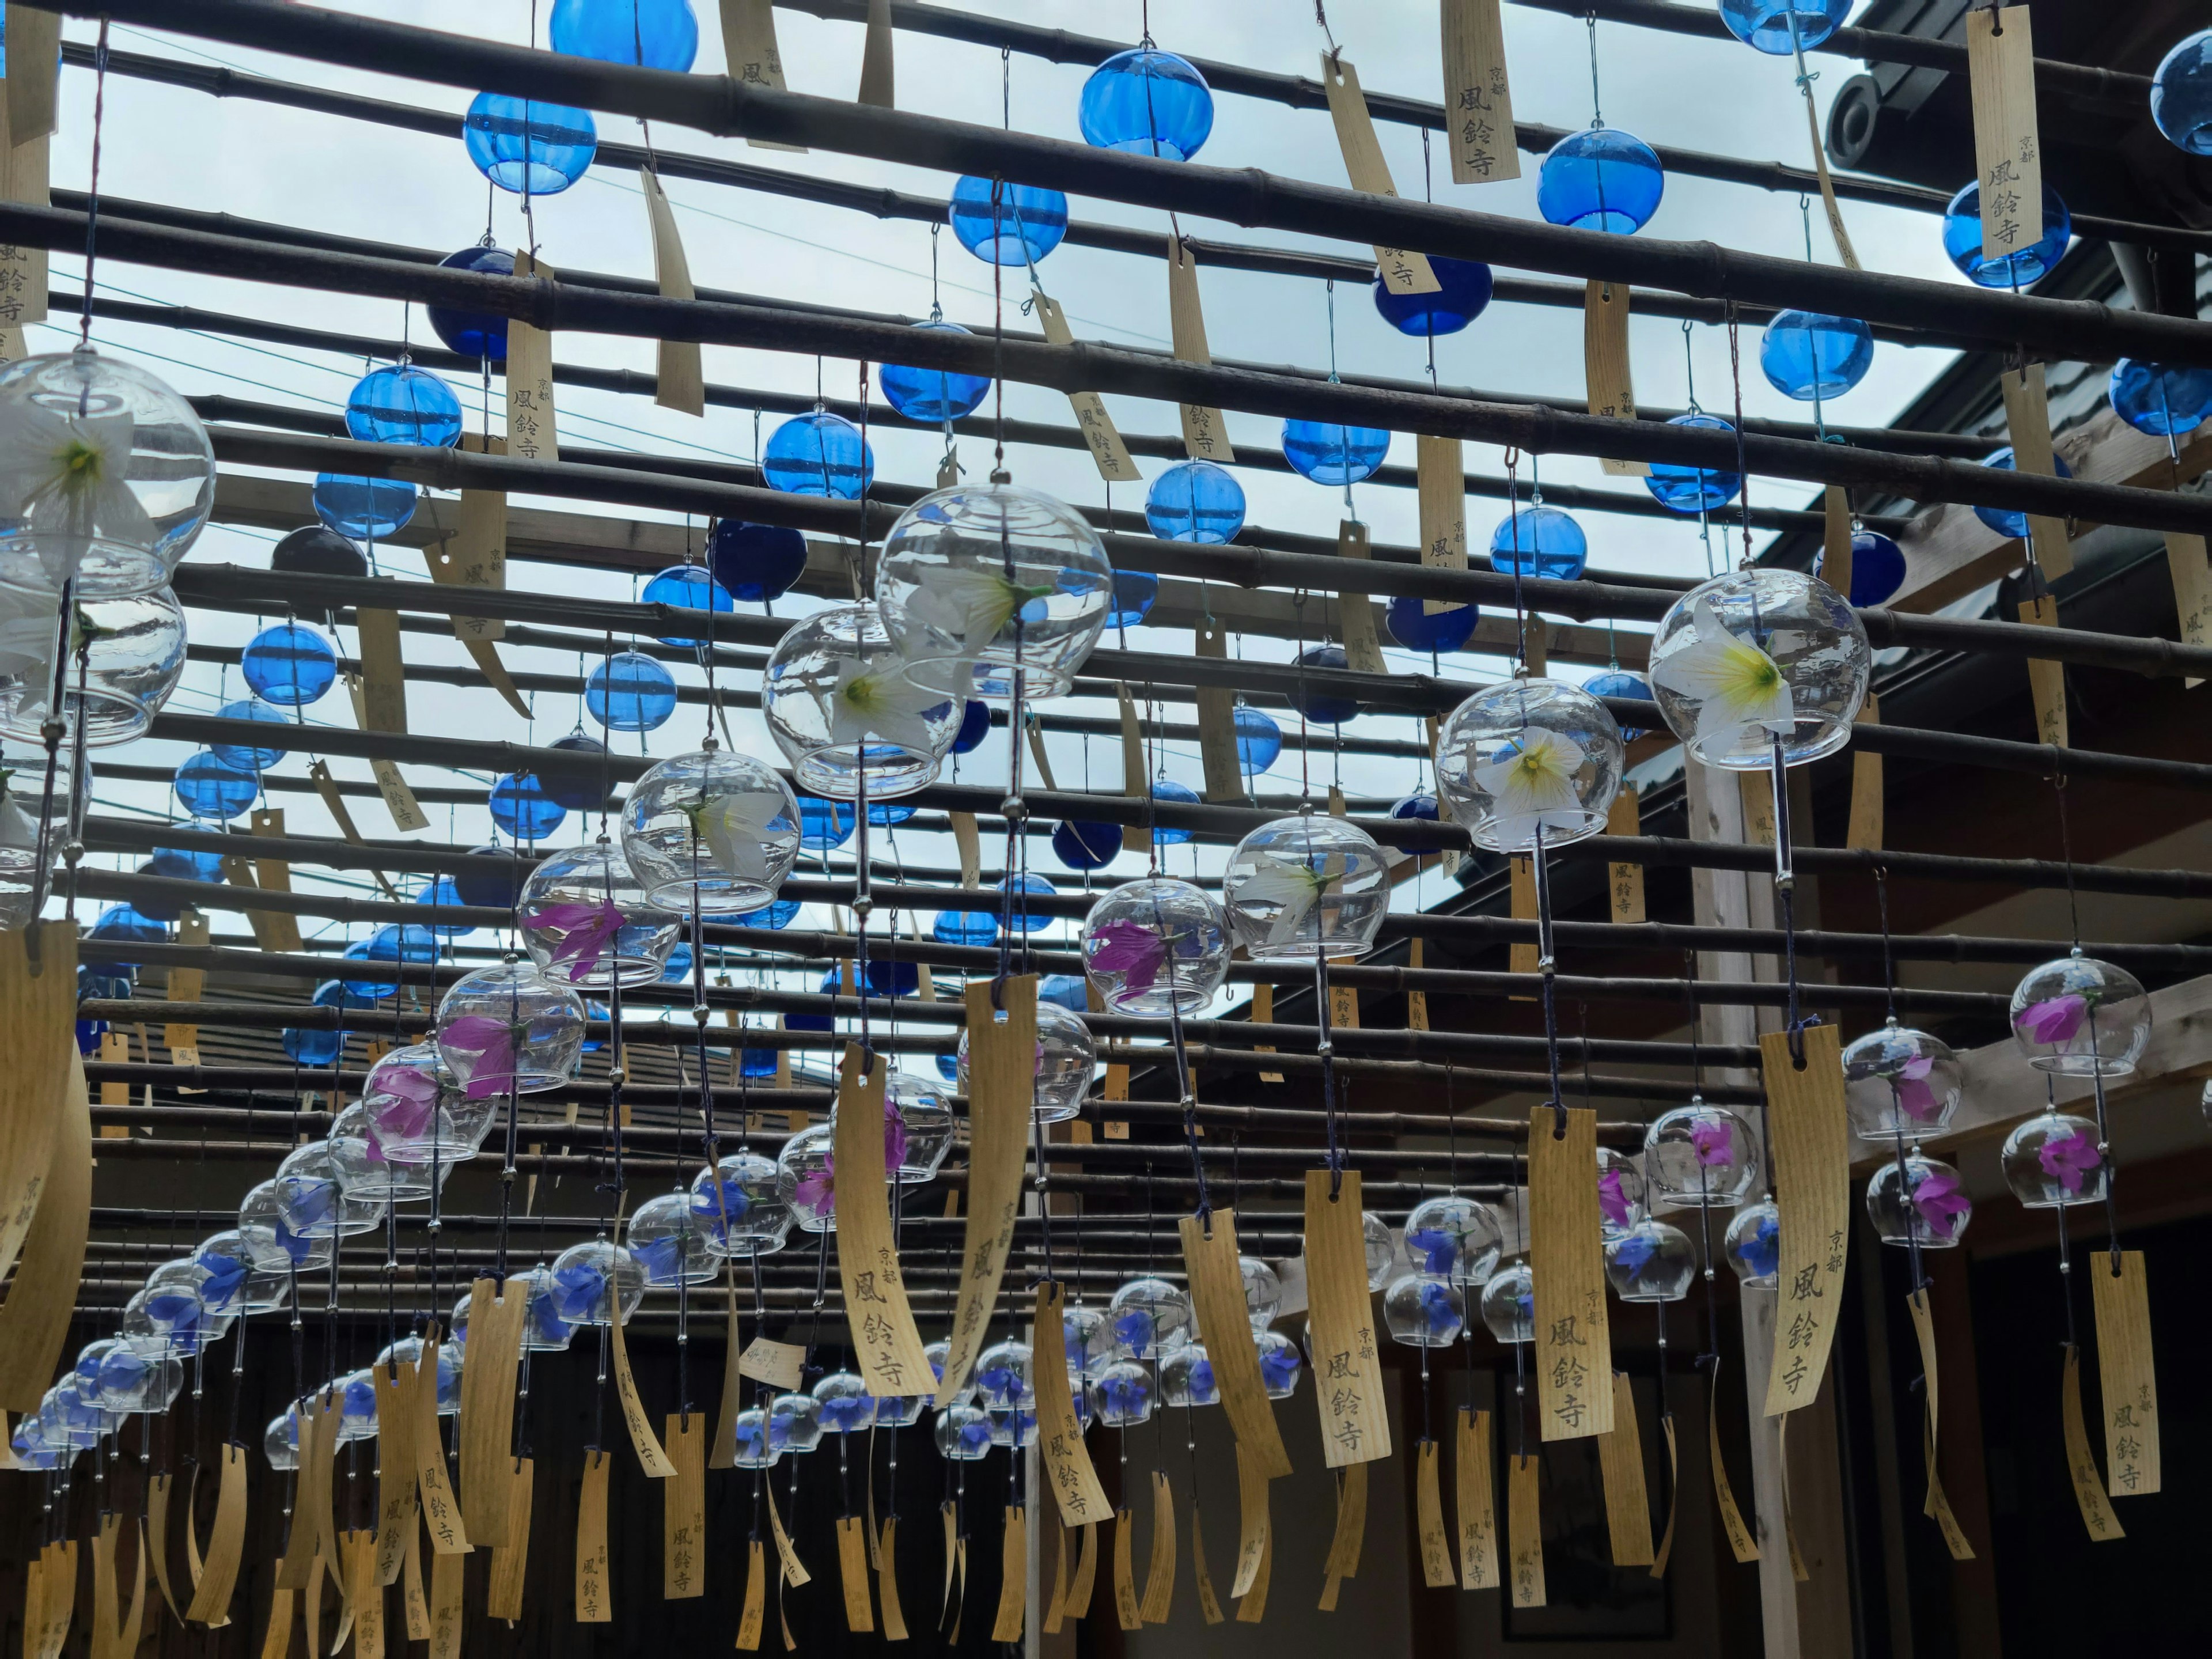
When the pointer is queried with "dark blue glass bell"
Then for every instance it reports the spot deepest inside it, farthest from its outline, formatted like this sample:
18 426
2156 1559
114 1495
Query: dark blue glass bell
630 692
2004 523
1025 921
661 34
964 927
2181 93
208 789
1878 567
316 550
1023 226
1331 454
2159 400
1463 293
1618 683
365 509
579 791
474 333
289 664
1778 27
206 866
687 588
818 453
1081 845
522 809
1144 102
1259 741
1962 242
261 756
1169 793
522 146
498 888
445 891
1418 628
1694 489
401 404
122 924
825 824
170 865
1419 809
1134 594
1807 354
1601 179
933 396
1322 707
1196 501
755 562
974 726
1539 541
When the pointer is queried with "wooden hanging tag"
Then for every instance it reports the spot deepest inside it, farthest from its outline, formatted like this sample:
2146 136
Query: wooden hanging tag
487 1425
1055 1612
1755 790
383 703
749 49
1440 480
183 1042
157 1533
1625 882
1475 1502
2046 681
2027 419
887 1349
448 1578
1741 1544
947 1512
1403 272
1153 1605
887 1582
1428 1512
296 1569
1347 1538
1865 829
1524 1530
1114 463
779 1364
2008 149
594 1605
966 837
105 1619
853 1573
35 1320
1252 1605
1068 1469
510 1557
2127 1384
1255 1530
367 1600
1836 540
683 1509
2186 562
442 1512
1810 1134
530 421
1001 1072
115 1050
26 169
1209 1604
1845 253
1205 433
794 1570
218 1573
1217 720
1013 1575
1362 650
1350 1385
398 800
878 78
1522 954
1674 1496
1126 1611
680 378
1086 1582
273 930
414 1604
1621 1461
1136 777
1610 387
2097 1513
755 1606
37 1030
1935 1504
1417 1002
1210 1260
33 68
1477 100
1574 1337
395 1465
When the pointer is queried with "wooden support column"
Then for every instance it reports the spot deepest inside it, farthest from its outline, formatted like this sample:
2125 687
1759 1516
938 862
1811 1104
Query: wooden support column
1720 898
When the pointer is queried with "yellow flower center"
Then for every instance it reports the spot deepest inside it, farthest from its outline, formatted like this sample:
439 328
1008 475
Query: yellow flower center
79 464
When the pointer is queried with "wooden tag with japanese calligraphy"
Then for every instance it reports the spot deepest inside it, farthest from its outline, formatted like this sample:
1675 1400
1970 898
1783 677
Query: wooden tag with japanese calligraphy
475 554
1125 1610
1348 1378
1429 1513
1402 270
887 1349
779 1364
441 1513
1001 1072
530 414
1864 829
794 1570
448 1577
1620 1463
1674 1496
1217 1292
1114 463
1573 1350
2046 681
412 1602
1067 1466
1362 650
1625 882
1217 718
1477 100
1160 1566
748 49
487 1427
2080 1466
2126 1382
1205 435
210 1603
1524 1530
1810 1133
1475 1501
1741 1544
2027 419
1607 382
1253 1569
2186 563
365 1599
679 377
510 1557
683 1507
594 1604
755 1606
2008 149
1013 1575
1440 481
396 1417
853 1573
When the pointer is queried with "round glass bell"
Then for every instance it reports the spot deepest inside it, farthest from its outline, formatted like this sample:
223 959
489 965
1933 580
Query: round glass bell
630 692
1453 1238
259 756
1135 592
1694 489
807 1178
1526 760
2181 93
524 146
1753 1243
687 588
963 1434
1263 1291
1463 293
740 1207
313 1200
1619 1191
755 1449
899 1411
818 453
1810 357
714 829
1155 946
211 792
660 34
1196 501
180 1333
2004 520
1650 1261
1086 846
521 807
1330 453
794 1422
1601 179
408 1350
1698 1155
1878 567
1122 1394
268 1238
2055 1159
936 1353
70 1419
1539 541
366 1167
1187 1378
667 1241
1509 1303
1279 1363
1259 741
918 1125
416 1117
1066 1059
847 1406
1423 1311
174 1301
1918 1200
1308 885
838 705
980 583
1150 1317
280 1441
1004 223
544 1328
1898 1081
586 921
356 1392
1417 629
509 1029
1169 791
755 562
2158 399
2081 1017
1003 1377
1757 656
1144 102
933 397
1779 27
126 656
1962 242
1382 1249
232 1281
1087 1337
109 475
400 403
